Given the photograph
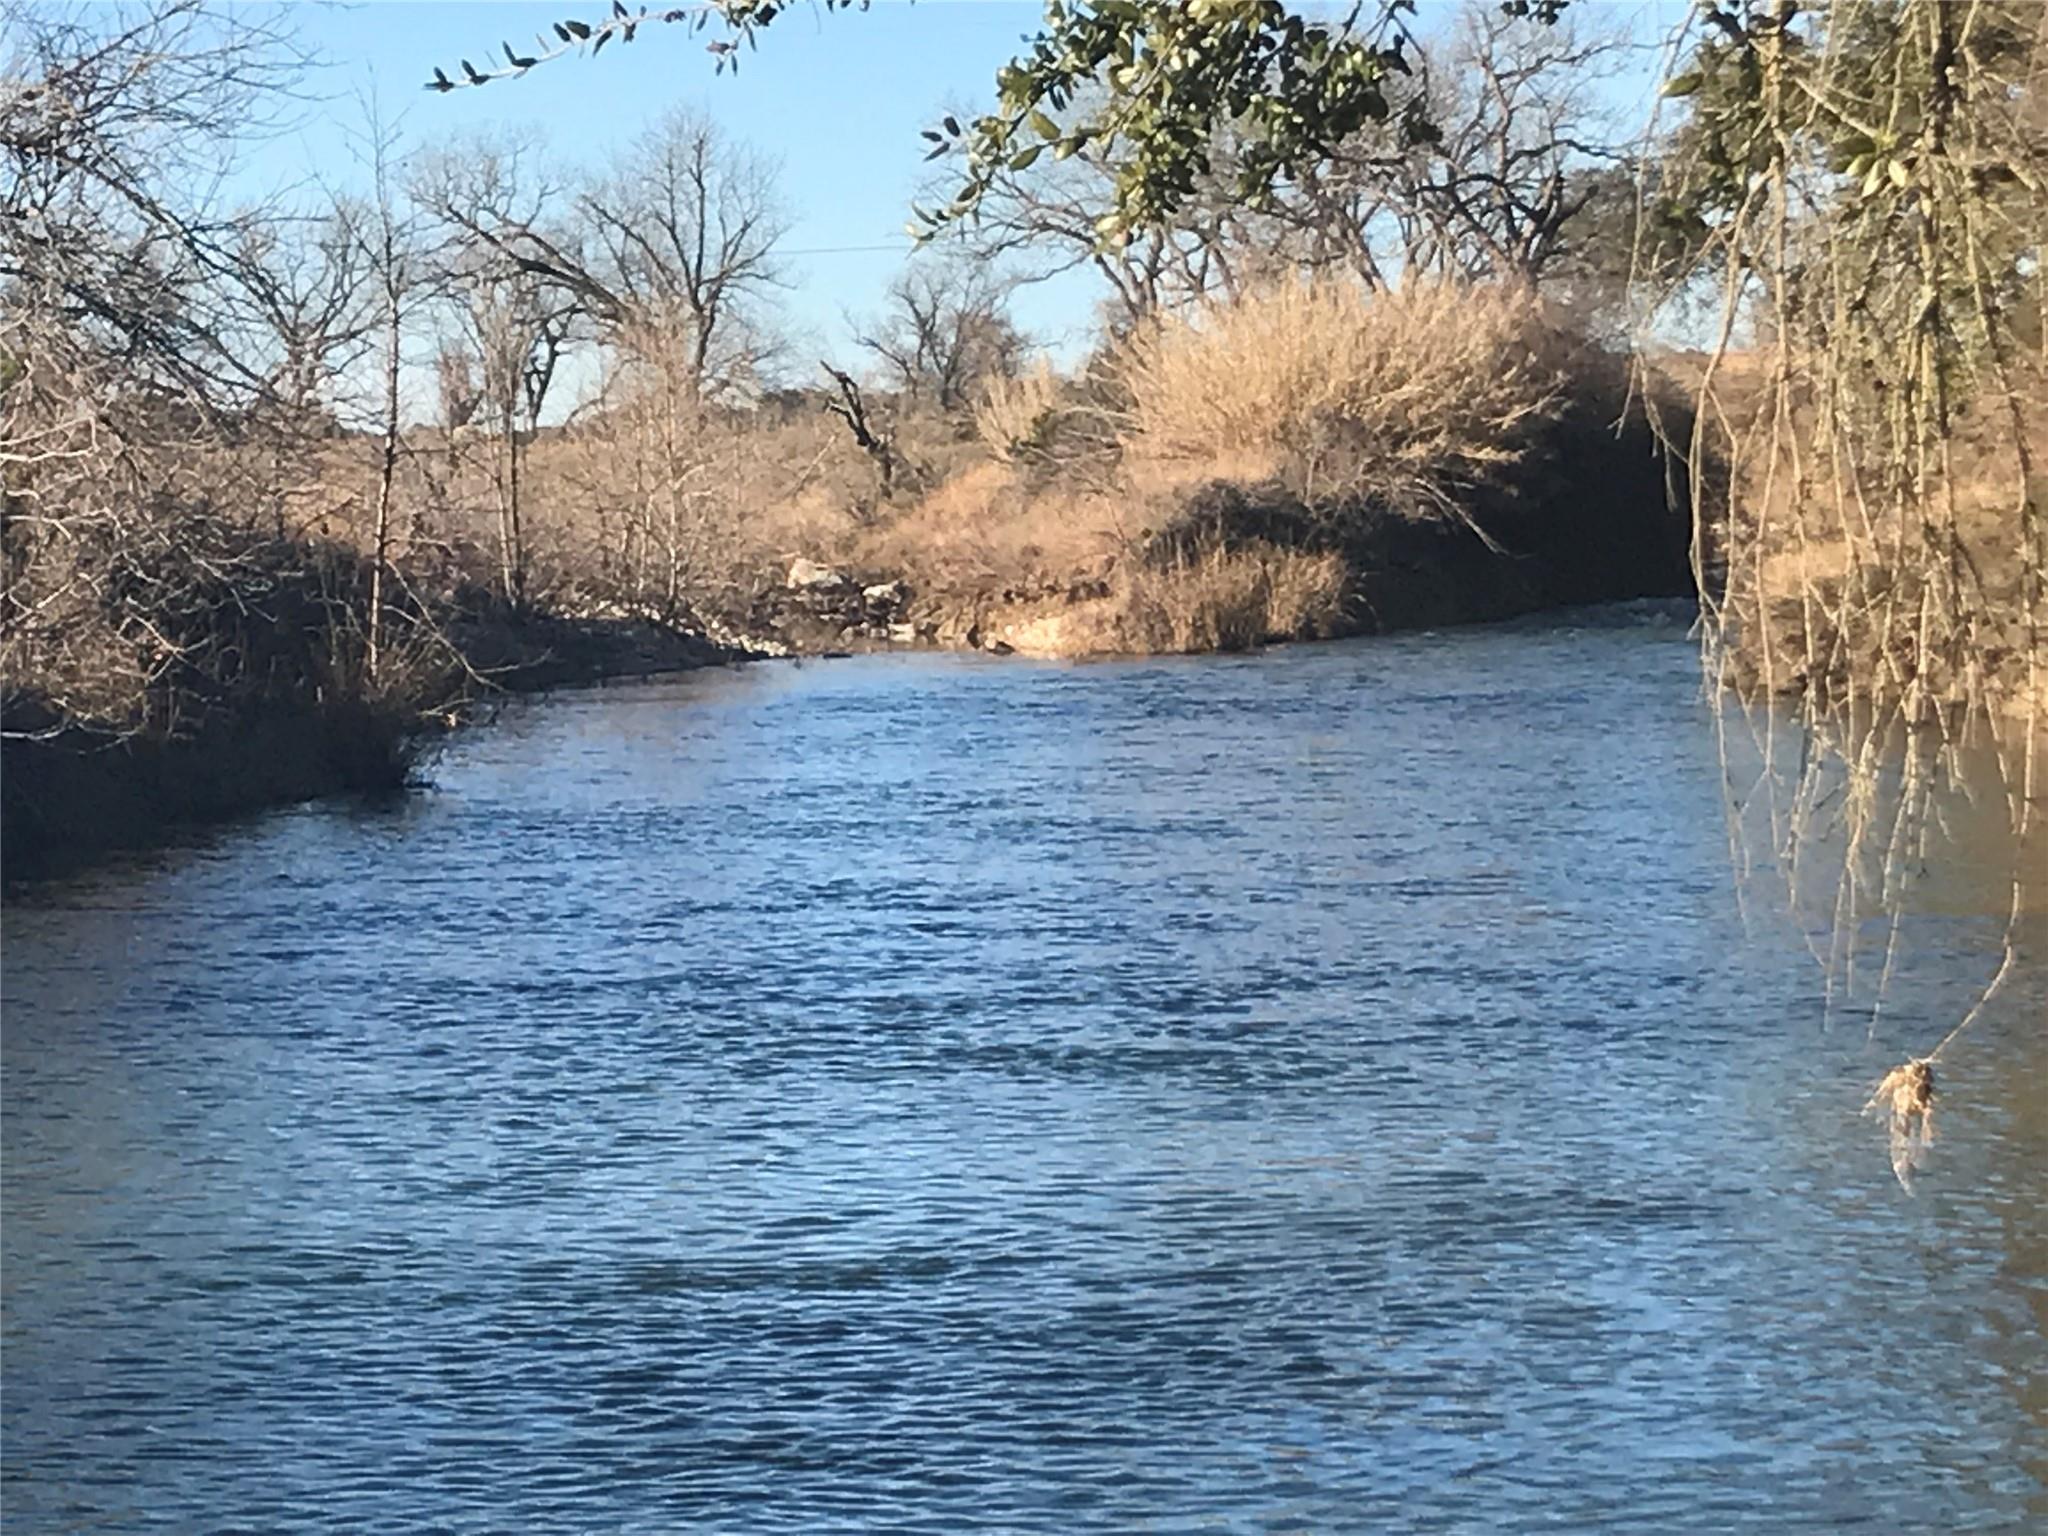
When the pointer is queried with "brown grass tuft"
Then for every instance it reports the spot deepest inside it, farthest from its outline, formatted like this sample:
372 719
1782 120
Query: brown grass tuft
987 530
1906 1098
1412 397
1230 600
1016 417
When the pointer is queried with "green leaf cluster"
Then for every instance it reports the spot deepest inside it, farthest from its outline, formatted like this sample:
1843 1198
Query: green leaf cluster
1149 82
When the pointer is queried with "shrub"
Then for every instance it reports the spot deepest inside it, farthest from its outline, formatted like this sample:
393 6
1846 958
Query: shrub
1230 600
1016 416
1410 398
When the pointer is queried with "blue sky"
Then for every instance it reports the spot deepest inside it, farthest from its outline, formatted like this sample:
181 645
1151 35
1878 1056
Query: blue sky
839 99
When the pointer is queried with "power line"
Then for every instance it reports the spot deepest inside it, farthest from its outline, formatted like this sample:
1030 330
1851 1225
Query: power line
844 250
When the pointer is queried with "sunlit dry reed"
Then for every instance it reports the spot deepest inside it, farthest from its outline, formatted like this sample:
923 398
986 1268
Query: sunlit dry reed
1413 396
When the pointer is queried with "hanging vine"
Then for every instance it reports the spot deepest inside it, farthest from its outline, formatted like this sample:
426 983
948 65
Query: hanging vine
1863 180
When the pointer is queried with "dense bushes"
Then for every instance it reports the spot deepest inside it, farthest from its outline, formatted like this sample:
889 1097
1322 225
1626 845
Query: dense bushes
188 619
1308 460
1412 399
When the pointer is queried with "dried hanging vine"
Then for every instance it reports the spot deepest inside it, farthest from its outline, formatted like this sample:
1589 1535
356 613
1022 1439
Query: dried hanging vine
1863 182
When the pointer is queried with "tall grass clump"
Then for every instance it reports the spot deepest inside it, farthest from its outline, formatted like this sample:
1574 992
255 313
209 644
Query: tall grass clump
1017 416
1230 600
1411 398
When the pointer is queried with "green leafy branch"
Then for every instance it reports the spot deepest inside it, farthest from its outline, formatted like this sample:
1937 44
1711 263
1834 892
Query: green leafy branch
742 19
1147 82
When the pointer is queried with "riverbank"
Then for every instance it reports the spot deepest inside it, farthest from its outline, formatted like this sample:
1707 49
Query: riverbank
70 793
1291 580
1311 461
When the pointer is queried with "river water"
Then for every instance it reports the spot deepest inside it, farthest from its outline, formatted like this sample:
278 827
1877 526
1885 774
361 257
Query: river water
1343 1088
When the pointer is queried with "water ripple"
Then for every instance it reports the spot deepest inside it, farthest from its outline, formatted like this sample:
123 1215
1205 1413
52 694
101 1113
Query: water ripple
1329 1090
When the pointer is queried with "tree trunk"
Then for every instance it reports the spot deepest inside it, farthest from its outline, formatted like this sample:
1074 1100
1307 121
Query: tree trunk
387 471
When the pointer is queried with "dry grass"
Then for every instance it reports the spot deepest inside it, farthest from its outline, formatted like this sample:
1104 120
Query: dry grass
1220 600
1412 398
1093 496
989 529
1906 1099
1216 481
1037 520
672 519
1232 600
1016 418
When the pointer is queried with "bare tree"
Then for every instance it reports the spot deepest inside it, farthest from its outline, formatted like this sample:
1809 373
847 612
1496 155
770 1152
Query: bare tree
114 129
668 257
386 235
123 375
874 441
520 330
304 284
299 305
945 333
1041 222
1517 146
511 280
1492 154
683 230
173 367
678 236
681 234
456 390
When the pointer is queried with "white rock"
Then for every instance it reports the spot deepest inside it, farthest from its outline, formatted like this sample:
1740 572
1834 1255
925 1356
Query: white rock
810 574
